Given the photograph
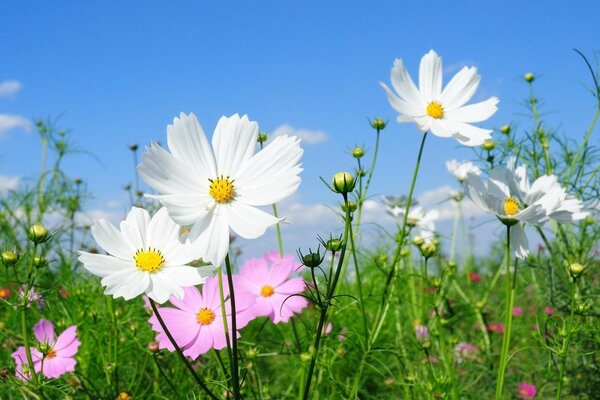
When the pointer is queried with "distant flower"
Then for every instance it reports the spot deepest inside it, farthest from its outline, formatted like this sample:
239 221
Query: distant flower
269 280
465 351
417 216
495 327
215 189
526 391
474 277
4 293
517 311
54 357
196 322
442 112
327 329
548 310
461 170
422 333
33 297
342 334
144 256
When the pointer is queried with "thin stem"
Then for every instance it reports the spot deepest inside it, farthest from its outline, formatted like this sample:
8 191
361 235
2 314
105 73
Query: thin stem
197 378
510 299
234 350
566 343
278 229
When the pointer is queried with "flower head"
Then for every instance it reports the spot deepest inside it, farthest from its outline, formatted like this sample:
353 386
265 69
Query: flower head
196 322
443 112
461 170
54 356
268 280
465 351
215 189
526 391
421 333
144 256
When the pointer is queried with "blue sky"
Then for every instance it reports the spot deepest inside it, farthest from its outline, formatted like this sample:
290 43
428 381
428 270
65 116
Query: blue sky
118 72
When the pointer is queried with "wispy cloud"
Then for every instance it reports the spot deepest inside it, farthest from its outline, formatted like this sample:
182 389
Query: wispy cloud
9 88
9 183
11 121
306 135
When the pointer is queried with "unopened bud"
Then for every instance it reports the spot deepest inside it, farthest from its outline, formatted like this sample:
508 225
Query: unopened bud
505 129
312 260
488 145
333 245
418 240
343 182
39 261
576 269
350 205
38 234
251 353
9 258
358 152
133 147
153 346
529 77
262 137
378 124
428 249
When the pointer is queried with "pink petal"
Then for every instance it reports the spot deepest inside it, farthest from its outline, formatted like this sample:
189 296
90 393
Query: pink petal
279 273
57 366
182 325
203 343
192 300
293 286
67 342
44 331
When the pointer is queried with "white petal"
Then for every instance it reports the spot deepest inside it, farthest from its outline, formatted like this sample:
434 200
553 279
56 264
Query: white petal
569 211
475 112
111 240
188 143
126 284
461 88
234 142
430 76
476 190
518 242
407 110
423 123
439 128
134 227
247 221
497 183
270 175
162 231
541 186
187 276
103 265
161 287
468 135
404 85
167 174
212 241
186 209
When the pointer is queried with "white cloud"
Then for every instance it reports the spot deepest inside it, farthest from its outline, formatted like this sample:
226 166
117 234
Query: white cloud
9 183
306 135
8 122
9 88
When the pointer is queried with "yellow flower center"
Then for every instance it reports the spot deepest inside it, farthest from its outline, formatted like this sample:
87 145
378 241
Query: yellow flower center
51 354
435 110
221 189
511 206
150 260
267 291
205 316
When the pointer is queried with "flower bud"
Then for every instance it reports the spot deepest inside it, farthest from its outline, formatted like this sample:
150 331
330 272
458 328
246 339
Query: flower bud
418 240
405 252
505 129
312 260
428 249
343 182
305 357
358 152
38 234
333 245
529 77
39 261
361 173
378 124
262 137
9 258
133 147
251 353
381 259
576 269
488 145
350 206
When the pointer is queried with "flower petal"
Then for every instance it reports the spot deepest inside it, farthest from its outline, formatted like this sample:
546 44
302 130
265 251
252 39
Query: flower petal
127 284
134 227
430 76
518 242
404 85
67 343
234 142
475 112
468 135
248 222
111 240
44 331
212 241
103 265
407 110
461 88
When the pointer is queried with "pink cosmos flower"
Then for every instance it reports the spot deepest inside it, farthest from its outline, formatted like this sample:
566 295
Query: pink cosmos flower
268 280
55 356
526 391
548 310
196 323
517 311
422 333
32 297
474 277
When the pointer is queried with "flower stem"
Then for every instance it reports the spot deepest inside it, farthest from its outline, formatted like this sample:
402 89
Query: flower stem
510 300
183 358
566 343
278 229
234 350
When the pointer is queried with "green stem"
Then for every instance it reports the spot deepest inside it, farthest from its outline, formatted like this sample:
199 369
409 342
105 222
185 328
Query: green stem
178 350
234 349
359 288
510 299
278 229
566 343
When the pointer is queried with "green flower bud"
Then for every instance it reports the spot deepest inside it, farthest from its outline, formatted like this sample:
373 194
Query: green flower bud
405 252
529 77
361 173
428 249
312 260
381 259
351 206
378 124
39 261
9 258
305 357
343 182
133 147
505 129
38 234
251 353
418 240
488 145
333 245
262 137
358 152
576 269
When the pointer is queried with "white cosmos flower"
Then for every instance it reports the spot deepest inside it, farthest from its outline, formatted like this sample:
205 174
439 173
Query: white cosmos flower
443 112
417 217
502 197
144 256
461 170
213 189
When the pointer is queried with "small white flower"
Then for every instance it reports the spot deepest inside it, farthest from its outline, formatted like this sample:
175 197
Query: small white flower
417 217
443 112
144 256
215 189
461 170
